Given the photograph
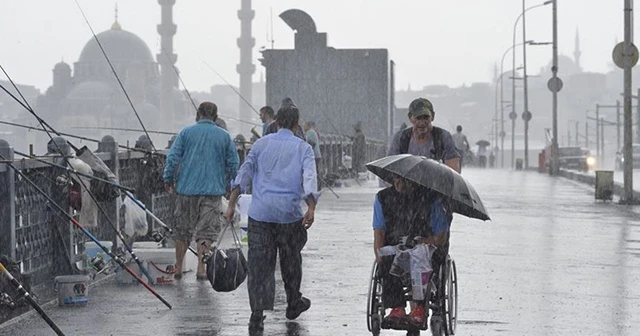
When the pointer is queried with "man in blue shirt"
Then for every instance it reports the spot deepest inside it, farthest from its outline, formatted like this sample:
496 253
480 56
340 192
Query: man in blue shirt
208 159
282 173
406 210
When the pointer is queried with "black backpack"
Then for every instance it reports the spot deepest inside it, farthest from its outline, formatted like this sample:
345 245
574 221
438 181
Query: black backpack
438 144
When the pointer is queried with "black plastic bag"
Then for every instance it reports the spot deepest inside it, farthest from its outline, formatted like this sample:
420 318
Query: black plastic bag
226 269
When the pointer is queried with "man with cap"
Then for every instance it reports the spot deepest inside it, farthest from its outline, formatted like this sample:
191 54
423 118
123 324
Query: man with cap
423 138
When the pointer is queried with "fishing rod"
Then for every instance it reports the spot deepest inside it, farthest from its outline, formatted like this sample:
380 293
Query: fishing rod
77 137
191 98
113 226
30 299
42 124
231 86
71 170
114 71
124 130
61 211
157 236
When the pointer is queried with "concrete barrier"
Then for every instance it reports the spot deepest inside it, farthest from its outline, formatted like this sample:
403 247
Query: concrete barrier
618 188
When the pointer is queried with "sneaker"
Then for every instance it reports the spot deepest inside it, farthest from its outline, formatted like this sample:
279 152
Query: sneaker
303 305
417 315
256 322
396 316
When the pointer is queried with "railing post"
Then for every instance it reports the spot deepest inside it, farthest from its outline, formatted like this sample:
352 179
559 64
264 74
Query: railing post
7 203
109 145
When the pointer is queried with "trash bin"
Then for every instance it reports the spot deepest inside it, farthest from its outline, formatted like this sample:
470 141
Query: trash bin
604 185
542 162
519 164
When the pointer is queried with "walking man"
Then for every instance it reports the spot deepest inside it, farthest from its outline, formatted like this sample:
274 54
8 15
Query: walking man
462 144
312 138
208 159
282 173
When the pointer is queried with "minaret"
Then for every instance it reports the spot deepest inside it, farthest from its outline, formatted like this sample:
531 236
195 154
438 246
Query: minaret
166 58
246 68
577 53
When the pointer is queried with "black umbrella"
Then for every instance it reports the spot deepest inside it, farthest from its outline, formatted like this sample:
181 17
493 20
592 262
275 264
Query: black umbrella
483 143
435 176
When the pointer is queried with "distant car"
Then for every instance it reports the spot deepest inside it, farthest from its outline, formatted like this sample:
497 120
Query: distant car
636 157
575 158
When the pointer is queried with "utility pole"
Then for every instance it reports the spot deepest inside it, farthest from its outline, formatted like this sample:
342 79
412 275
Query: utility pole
555 85
526 115
618 124
598 133
577 122
586 133
625 56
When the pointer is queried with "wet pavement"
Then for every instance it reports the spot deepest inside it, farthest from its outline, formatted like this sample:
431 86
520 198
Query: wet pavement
552 262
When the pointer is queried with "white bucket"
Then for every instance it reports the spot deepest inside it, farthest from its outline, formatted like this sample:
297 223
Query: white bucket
161 271
73 290
160 263
124 278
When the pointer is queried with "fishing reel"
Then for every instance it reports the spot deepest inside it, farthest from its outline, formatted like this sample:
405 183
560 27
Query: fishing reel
7 301
158 237
98 263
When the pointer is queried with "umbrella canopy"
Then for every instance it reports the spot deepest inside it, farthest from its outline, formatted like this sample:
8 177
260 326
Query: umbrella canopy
483 143
435 176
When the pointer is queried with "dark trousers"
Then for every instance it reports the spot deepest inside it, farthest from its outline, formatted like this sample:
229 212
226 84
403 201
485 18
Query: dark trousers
392 288
265 241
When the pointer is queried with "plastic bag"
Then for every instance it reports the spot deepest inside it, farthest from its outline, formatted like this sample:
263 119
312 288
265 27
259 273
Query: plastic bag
135 218
415 261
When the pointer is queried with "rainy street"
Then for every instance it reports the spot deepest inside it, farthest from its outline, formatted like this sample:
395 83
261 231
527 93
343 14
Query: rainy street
551 262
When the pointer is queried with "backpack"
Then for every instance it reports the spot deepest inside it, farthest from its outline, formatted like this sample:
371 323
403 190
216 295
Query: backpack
438 144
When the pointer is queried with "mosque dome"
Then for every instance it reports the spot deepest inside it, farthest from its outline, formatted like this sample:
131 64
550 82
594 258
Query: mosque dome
566 66
62 66
119 44
90 90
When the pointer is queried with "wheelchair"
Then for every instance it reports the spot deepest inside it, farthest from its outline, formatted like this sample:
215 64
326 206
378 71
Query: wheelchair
443 303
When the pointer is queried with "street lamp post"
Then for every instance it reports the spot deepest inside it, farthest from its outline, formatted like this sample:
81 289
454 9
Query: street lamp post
501 79
513 114
555 85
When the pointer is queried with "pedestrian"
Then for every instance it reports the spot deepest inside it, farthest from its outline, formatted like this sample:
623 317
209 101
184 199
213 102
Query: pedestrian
461 143
358 149
311 135
208 159
482 155
406 210
268 116
273 127
425 139
282 173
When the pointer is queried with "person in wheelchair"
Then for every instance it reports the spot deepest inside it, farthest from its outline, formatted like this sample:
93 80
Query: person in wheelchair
409 210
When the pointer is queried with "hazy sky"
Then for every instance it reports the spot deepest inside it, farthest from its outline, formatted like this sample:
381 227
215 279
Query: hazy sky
433 42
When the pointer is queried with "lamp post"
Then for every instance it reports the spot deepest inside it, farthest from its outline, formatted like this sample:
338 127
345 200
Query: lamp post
502 133
513 114
554 85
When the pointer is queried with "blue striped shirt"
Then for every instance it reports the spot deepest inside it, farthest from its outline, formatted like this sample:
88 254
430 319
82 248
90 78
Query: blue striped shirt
282 170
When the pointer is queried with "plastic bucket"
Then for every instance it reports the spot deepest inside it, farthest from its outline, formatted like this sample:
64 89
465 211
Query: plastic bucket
73 290
124 278
161 271
160 263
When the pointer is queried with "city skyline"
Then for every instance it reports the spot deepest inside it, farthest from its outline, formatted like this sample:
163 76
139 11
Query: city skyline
487 32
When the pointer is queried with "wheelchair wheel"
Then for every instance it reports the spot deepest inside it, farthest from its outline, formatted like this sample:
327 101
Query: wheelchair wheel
375 309
450 298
